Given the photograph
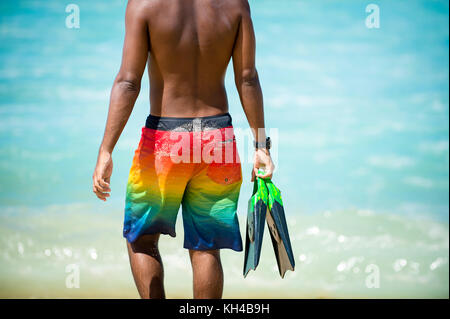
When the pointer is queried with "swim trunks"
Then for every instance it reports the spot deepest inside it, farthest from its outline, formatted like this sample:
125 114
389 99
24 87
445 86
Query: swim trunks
192 162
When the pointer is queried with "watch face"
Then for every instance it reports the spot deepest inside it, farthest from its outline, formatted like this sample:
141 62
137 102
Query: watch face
267 144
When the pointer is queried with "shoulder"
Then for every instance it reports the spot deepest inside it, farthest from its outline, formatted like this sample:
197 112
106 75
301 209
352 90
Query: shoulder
141 8
141 3
240 7
245 6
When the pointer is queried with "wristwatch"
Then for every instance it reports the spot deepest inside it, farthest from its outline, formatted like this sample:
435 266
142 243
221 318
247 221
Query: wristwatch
267 144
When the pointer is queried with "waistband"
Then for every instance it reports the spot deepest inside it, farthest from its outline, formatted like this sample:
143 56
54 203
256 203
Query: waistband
188 124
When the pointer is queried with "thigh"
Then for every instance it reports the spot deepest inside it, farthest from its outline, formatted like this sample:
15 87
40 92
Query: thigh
209 208
155 189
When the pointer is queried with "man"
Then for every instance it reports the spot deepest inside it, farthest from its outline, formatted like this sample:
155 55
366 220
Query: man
188 45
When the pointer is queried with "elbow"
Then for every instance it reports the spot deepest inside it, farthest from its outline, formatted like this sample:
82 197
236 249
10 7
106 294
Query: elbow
128 83
248 77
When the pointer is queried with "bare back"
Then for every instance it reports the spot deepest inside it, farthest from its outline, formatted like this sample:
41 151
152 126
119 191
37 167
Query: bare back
190 43
187 45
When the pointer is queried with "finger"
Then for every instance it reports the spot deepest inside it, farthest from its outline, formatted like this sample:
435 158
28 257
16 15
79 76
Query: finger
98 191
104 185
267 174
103 182
98 186
255 172
100 195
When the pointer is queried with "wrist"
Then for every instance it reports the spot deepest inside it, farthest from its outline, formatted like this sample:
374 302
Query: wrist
104 151
265 144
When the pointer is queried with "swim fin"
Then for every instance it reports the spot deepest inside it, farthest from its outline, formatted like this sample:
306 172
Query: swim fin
276 221
256 216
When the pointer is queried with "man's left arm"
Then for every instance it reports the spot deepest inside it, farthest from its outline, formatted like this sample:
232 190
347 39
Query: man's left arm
124 93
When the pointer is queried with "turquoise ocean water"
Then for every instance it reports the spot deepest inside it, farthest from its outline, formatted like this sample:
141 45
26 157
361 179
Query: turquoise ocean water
360 118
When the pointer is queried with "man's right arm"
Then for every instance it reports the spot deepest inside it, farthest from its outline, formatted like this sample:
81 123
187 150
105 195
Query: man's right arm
124 92
249 88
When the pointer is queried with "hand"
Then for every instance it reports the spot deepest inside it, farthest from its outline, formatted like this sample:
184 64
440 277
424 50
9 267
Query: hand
102 175
262 159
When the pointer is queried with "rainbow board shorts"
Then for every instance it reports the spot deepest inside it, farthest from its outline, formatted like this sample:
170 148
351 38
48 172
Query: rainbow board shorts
187 162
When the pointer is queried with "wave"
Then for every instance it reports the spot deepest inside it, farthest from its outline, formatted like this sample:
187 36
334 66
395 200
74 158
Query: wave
355 253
